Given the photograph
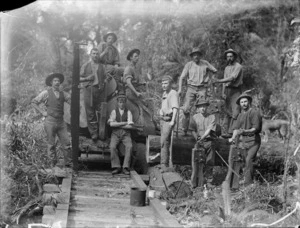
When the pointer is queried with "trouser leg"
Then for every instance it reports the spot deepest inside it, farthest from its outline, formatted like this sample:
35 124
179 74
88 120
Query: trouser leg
165 140
128 150
251 154
50 128
189 98
114 155
65 143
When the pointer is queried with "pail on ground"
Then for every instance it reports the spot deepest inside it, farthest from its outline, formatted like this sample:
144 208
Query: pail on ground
137 197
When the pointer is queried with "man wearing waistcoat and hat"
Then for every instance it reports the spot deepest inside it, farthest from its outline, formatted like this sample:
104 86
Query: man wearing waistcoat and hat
232 87
248 125
92 76
54 99
168 113
121 122
110 57
203 128
196 72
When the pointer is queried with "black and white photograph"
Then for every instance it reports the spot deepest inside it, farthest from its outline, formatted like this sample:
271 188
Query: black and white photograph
150 113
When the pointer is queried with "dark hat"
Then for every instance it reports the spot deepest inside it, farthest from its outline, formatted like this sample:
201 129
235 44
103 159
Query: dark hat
230 51
110 34
195 50
167 77
201 102
121 94
244 95
132 52
50 77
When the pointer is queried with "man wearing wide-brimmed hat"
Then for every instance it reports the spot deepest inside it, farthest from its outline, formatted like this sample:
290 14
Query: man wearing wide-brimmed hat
203 128
92 76
248 125
196 72
168 113
132 81
121 122
110 57
232 87
54 99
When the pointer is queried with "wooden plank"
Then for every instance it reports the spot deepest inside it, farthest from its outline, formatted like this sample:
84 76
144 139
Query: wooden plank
161 212
138 182
96 199
96 224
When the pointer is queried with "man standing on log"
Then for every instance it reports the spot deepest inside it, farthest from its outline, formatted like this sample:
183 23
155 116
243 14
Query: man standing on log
197 73
121 122
92 76
168 113
232 88
248 125
203 128
109 56
54 100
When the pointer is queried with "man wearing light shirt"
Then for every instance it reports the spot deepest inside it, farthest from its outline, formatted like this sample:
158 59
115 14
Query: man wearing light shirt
120 121
196 72
54 124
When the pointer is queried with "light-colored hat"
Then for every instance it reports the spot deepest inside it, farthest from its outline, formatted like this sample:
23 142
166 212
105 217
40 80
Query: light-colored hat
167 78
110 34
196 50
50 77
201 102
231 51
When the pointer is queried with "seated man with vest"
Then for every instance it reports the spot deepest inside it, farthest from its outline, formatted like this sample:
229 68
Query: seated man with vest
54 100
120 121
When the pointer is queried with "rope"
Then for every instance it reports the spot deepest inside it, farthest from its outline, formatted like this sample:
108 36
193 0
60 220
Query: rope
227 164
274 223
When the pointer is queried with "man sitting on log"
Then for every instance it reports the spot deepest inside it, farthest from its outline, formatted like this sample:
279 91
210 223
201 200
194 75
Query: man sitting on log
168 113
248 125
203 128
54 100
121 122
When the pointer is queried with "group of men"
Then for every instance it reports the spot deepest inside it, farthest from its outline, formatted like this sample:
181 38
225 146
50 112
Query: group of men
242 119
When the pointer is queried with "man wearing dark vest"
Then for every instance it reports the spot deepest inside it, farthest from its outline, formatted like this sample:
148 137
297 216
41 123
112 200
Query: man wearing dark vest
121 122
54 100
92 76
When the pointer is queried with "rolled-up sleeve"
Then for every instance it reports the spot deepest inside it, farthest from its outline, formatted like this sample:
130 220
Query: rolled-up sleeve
174 100
211 67
128 73
41 98
129 118
112 117
185 70
211 123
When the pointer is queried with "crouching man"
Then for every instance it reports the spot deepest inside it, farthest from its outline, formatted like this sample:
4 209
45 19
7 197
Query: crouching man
54 99
203 128
121 122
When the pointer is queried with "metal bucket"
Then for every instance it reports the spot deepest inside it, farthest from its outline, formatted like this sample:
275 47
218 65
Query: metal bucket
137 197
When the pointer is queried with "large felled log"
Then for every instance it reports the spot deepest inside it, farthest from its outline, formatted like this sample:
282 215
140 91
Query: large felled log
170 181
182 149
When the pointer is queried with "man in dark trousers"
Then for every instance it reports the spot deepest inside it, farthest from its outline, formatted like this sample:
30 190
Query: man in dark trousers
232 88
248 125
196 72
120 121
92 76
203 128
168 113
54 99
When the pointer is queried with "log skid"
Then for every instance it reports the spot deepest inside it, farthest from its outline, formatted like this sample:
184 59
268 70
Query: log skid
98 199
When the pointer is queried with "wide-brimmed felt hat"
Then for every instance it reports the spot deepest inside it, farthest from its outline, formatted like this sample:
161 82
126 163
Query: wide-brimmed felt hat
230 50
201 102
50 77
135 50
244 95
110 34
195 50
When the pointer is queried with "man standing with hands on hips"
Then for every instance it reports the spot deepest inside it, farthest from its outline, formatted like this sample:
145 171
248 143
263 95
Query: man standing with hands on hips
168 113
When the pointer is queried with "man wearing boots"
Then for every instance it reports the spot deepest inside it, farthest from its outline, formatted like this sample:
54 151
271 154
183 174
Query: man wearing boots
168 113
121 122
232 88
248 125
92 76
196 72
54 99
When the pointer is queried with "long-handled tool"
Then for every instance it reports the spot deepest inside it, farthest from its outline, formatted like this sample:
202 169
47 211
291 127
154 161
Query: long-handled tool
177 122
171 149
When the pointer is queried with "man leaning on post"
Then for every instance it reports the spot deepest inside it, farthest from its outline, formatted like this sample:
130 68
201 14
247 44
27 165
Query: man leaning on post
54 124
168 113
